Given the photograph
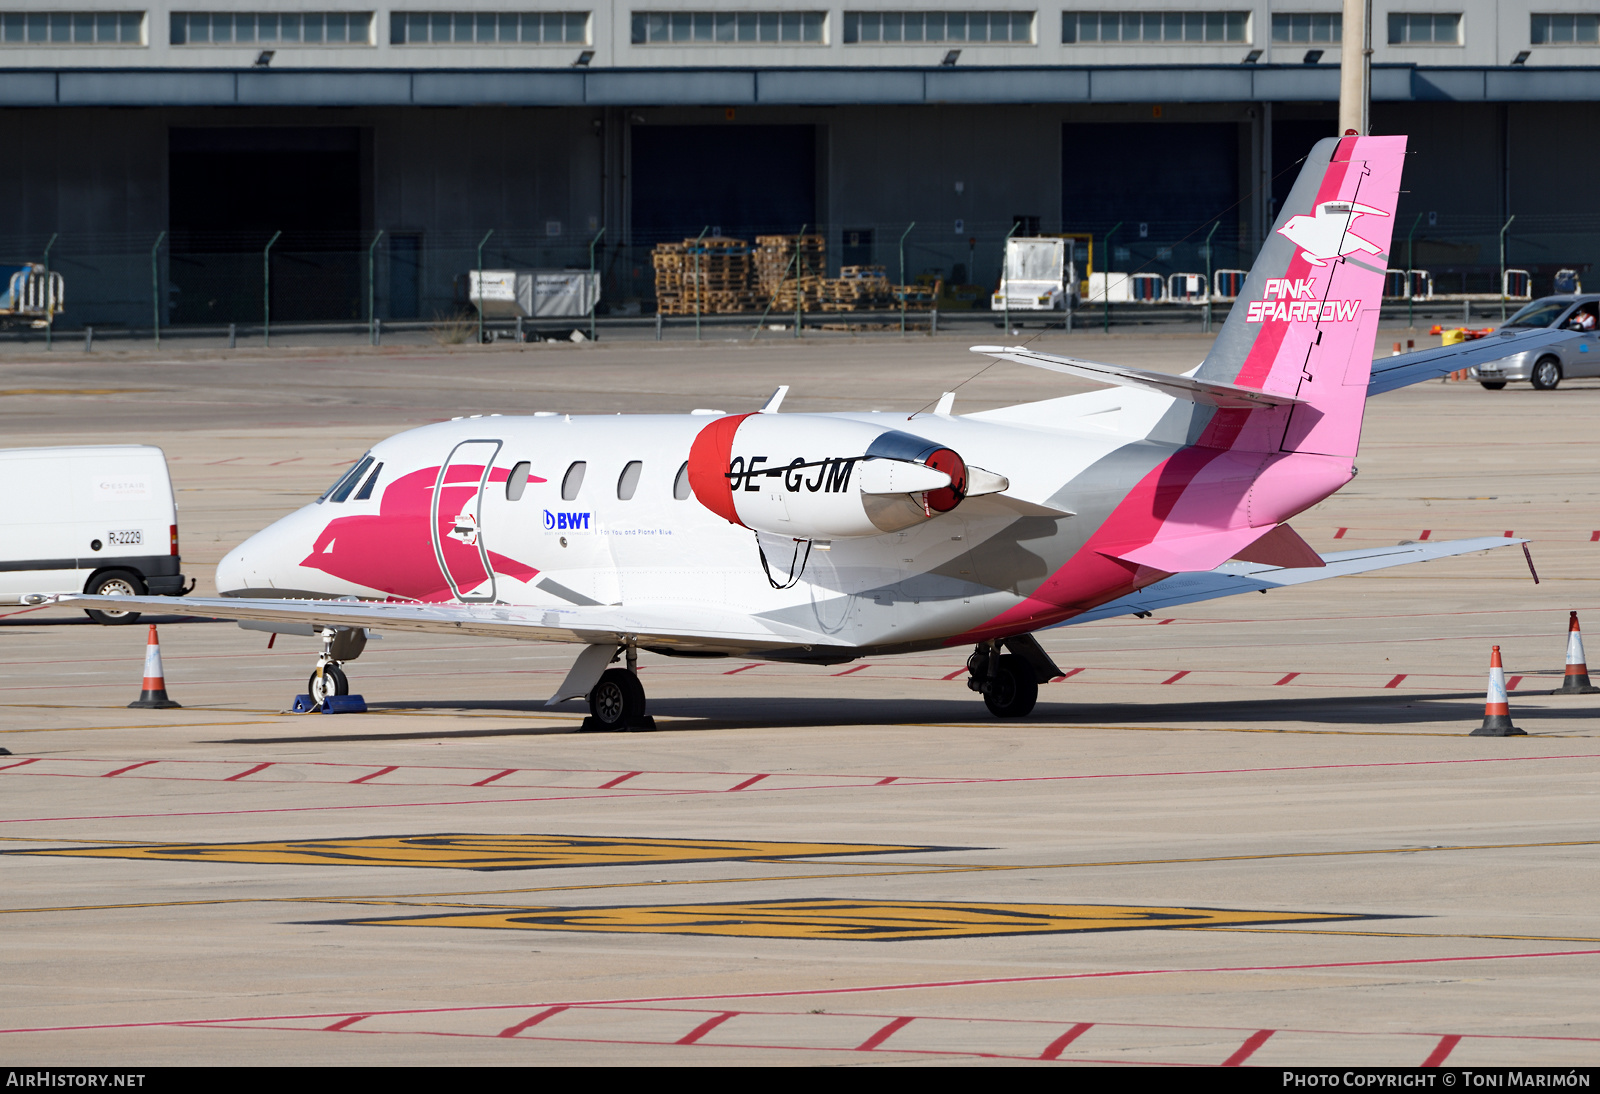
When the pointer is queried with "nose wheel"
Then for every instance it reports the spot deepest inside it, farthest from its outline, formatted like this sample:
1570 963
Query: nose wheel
328 679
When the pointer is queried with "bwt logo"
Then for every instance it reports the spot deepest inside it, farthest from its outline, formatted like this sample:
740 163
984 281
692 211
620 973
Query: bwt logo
566 522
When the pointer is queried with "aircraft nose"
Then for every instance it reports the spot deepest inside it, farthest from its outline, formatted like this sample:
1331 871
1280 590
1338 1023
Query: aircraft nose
263 564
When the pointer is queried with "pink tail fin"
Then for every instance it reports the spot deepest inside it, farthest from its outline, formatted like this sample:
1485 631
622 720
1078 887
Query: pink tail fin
1307 319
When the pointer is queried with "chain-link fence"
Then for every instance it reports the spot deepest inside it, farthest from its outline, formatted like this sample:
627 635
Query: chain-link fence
199 281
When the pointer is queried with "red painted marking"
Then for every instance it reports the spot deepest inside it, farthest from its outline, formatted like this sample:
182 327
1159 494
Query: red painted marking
883 1034
1246 1050
1340 533
375 774
1511 684
130 767
527 1023
345 1023
751 781
1164 622
496 775
1065 675
230 459
847 672
1286 679
1441 1050
1175 677
742 668
959 672
1594 537
20 763
618 780
25 611
1396 681
706 1027
1507 533
251 771
1053 1052
291 459
886 782
1426 532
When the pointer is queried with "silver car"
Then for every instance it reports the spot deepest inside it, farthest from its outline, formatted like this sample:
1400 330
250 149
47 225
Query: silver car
1547 366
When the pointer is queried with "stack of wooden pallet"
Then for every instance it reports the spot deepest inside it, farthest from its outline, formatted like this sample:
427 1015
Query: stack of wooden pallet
781 261
858 288
704 276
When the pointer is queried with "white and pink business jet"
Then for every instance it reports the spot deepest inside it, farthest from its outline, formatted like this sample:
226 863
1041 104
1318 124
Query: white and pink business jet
822 538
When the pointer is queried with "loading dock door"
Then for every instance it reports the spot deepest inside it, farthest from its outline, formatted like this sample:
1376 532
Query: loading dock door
1171 177
745 179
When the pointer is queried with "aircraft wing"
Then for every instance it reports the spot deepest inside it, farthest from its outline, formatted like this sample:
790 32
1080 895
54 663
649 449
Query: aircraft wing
1389 373
690 626
1232 578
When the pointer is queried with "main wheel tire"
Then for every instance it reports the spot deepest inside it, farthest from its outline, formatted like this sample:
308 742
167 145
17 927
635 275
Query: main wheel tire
1493 385
617 700
1546 374
332 681
114 583
1013 690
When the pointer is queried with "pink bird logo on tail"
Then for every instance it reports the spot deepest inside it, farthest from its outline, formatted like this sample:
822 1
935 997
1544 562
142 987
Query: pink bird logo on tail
1326 235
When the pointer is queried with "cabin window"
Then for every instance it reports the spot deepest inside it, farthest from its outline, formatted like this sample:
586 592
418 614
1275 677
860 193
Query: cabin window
517 481
628 481
680 485
572 481
366 488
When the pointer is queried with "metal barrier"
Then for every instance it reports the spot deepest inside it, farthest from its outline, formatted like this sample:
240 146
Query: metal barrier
1187 288
32 294
1228 284
1147 288
1567 282
1518 285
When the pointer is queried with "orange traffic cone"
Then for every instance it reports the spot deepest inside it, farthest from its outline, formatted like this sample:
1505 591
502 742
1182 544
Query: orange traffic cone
1496 711
155 684
1577 678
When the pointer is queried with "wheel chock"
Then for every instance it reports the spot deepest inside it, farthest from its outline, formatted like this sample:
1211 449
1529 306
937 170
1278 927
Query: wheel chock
303 704
344 704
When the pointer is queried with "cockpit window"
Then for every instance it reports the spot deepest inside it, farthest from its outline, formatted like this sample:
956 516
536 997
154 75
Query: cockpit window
572 481
366 488
347 481
517 481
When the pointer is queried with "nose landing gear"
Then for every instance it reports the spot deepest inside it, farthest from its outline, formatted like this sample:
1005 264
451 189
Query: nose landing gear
328 678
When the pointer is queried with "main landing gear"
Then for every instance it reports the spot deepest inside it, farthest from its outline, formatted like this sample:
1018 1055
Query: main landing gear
1007 681
617 700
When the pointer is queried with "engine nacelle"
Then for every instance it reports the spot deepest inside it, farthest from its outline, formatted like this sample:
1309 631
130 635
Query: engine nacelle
814 477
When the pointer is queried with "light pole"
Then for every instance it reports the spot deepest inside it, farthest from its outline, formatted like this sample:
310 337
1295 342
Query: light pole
1105 283
155 287
481 242
49 298
903 235
372 289
1504 228
1411 264
697 242
596 299
266 290
1005 298
1209 293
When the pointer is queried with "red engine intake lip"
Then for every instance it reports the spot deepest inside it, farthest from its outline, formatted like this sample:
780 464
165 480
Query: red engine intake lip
948 497
709 457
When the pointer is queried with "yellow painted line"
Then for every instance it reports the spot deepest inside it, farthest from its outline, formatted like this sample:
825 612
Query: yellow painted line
857 920
474 852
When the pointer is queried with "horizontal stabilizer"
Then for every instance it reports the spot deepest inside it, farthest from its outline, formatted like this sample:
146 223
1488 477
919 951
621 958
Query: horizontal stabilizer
1390 373
1188 554
1207 392
1233 578
1281 547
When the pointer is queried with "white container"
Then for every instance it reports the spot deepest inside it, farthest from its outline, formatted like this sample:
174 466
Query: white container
534 294
95 519
1119 284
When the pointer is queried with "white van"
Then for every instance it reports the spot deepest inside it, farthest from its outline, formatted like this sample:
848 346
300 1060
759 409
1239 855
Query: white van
97 519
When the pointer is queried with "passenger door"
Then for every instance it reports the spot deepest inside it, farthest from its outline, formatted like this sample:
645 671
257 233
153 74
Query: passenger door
457 514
